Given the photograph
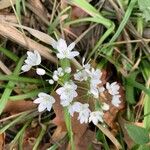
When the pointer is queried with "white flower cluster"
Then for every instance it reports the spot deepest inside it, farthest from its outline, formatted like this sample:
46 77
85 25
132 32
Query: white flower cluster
93 76
59 73
113 89
67 91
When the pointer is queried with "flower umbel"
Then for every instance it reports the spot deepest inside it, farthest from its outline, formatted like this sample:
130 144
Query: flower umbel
45 101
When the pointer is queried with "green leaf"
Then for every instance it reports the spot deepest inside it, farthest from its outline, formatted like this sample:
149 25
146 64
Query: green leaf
138 134
144 6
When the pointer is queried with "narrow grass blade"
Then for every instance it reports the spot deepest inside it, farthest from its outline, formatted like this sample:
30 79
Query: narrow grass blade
9 54
17 78
8 91
31 94
145 67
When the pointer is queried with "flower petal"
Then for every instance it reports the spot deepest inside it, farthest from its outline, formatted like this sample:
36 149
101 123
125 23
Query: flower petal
41 107
26 68
61 45
40 71
71 46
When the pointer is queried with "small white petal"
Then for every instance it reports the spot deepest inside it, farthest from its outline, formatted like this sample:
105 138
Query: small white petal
96 116
73 54
38 100
40 71
116 100
51 81
101 89
55 78
61 45
71 46
26 68
105 107
38 57
68 70
41 107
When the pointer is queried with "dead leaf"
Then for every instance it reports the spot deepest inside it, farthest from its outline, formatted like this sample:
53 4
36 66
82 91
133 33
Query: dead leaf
6 3
15 35
14 107
78 13
8 18
30 137
38 34
2 141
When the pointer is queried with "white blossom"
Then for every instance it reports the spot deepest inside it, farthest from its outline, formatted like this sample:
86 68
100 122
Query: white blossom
67 93
116 100
40 71
94 90
68 70
113 88
105 107
45 101
33 59
95 76
75 107
81 75
58 73
101 89
86 66
64 51
96 116
51 81
84 113
55 77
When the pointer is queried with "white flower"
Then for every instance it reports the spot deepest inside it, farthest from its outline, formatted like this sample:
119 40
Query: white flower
115 100
40 71
113 88
84 113
45 101
64 51
95 76
68 70
75 107
33 59
25 68
86 66
58 73
81 75
67 93
55 78
94 90
105 107
101 89
51 81
96 116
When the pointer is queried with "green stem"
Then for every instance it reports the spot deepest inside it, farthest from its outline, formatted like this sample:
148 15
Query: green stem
66 63
38 140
